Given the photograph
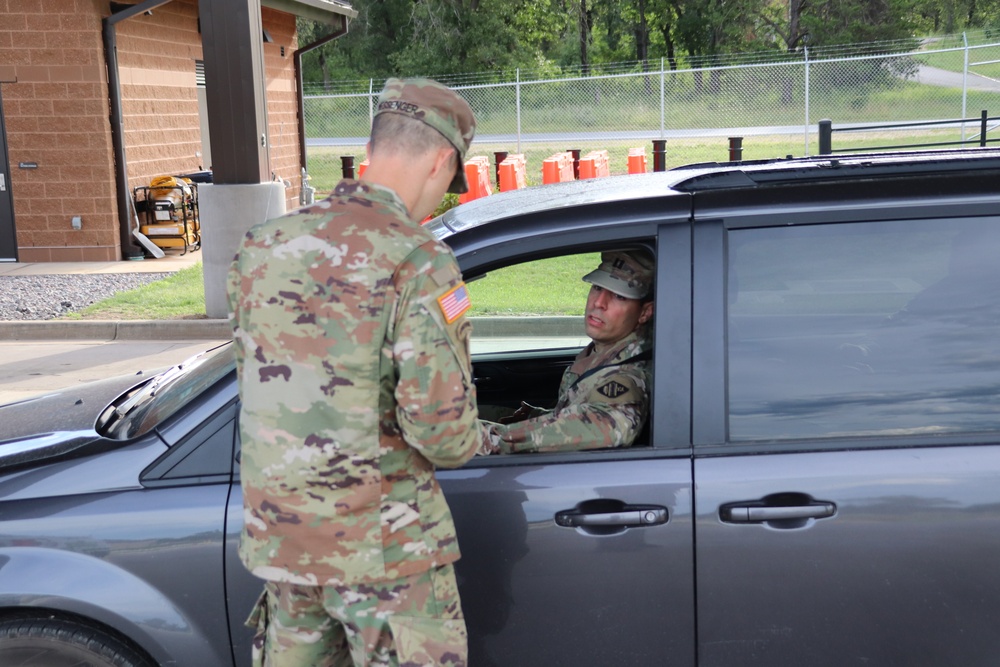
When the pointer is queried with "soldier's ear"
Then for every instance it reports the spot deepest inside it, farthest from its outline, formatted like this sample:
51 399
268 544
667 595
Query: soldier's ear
646 314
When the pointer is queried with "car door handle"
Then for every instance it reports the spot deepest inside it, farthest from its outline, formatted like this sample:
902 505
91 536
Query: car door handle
738 513
629 516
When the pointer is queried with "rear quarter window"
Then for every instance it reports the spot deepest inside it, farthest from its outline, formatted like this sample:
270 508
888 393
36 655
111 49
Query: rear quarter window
885 328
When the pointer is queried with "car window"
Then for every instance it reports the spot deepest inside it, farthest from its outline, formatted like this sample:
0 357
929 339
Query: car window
885 328
535 305
528 327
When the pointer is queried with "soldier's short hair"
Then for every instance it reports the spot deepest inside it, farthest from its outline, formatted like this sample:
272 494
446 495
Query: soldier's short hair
393 132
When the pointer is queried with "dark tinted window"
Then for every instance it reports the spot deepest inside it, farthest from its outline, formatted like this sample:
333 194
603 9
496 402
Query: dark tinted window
880 328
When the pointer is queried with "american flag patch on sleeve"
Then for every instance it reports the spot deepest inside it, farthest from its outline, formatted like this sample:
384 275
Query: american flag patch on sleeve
454 302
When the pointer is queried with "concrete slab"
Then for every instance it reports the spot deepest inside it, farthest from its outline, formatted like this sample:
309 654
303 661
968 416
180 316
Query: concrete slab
168 264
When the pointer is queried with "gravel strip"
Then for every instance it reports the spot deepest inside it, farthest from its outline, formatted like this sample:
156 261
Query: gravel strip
48 297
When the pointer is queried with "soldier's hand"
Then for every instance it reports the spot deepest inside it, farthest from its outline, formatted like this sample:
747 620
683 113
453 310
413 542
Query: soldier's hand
523 412
489 441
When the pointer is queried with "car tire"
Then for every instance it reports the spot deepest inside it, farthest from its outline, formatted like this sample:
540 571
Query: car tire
54 642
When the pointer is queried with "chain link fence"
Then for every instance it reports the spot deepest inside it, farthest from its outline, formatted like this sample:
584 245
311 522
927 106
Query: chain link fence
639 102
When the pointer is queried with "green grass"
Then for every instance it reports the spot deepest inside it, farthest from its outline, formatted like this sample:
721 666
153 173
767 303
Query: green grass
177 297
545 287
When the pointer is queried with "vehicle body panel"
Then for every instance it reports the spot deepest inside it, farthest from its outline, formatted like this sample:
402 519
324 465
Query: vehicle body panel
874 547
903 574
537 593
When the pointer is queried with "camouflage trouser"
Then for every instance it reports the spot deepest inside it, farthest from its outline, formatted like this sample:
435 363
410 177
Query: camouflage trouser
407 622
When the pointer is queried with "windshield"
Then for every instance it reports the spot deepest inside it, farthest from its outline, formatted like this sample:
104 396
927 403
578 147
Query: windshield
144 407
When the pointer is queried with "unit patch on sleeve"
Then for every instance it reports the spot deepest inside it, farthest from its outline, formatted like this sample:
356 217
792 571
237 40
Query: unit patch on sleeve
454 302
613 389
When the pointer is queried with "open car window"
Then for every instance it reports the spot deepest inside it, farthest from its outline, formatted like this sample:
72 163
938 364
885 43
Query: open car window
535 305
528 328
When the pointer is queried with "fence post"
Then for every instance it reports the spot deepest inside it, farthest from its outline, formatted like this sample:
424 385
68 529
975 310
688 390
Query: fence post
659 154
825 137
517 105
663 106
982 129
805 127
735 149
965 83
371 102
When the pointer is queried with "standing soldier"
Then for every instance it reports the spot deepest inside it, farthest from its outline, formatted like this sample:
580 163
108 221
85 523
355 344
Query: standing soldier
353 357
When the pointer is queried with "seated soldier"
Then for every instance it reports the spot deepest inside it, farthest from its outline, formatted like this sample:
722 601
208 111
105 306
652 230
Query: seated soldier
604 396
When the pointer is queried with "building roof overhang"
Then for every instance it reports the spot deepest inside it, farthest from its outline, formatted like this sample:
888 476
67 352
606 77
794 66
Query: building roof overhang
332 12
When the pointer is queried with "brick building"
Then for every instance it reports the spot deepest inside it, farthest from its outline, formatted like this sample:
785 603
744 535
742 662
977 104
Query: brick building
59 193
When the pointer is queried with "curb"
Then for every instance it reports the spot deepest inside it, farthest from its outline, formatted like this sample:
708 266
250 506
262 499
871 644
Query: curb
116 330
485 327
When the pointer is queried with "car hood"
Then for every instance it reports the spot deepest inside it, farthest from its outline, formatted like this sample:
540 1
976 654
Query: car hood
54 423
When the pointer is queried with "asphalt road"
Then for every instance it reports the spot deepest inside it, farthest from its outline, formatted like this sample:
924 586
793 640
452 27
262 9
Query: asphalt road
932 76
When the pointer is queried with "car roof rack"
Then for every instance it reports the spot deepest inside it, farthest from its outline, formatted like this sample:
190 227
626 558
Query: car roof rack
728 175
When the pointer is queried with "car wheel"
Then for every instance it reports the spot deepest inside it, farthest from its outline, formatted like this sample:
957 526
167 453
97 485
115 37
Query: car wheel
50 642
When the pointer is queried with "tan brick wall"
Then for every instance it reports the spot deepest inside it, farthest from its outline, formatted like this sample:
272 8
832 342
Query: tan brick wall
156 63
282 111
56 111
53 82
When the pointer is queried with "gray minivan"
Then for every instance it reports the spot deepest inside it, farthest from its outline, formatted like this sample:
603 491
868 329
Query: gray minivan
824 444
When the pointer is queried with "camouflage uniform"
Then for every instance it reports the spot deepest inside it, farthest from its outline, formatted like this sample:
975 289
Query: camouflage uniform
353 356
603 397
603 402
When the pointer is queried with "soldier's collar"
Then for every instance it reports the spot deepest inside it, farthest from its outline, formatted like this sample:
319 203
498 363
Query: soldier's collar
373 191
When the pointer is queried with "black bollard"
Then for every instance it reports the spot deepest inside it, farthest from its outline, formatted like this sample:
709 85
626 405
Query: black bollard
499 156
735 149
347 165
575 152
659 154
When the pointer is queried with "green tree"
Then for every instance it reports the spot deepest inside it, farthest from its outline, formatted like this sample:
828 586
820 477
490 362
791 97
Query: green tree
366 50
855 21
458 36
440 37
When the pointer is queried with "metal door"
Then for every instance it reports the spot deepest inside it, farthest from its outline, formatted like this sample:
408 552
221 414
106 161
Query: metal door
848 448
8 244
585 558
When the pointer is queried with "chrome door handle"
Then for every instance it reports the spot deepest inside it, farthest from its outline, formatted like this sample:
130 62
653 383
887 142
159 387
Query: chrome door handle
630 516
755 513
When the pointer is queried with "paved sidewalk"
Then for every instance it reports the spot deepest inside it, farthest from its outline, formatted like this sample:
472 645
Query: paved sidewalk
171 262
37 356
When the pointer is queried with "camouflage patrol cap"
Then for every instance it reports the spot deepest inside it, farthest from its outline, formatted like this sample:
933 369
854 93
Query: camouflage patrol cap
628 274
436 105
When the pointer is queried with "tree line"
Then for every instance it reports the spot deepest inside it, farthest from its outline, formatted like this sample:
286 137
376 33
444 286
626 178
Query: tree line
447 37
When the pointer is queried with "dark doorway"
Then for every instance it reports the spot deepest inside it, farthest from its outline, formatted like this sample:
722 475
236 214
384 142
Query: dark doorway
8 243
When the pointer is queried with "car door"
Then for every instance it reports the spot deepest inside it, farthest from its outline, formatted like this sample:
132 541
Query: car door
847 439
558 567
